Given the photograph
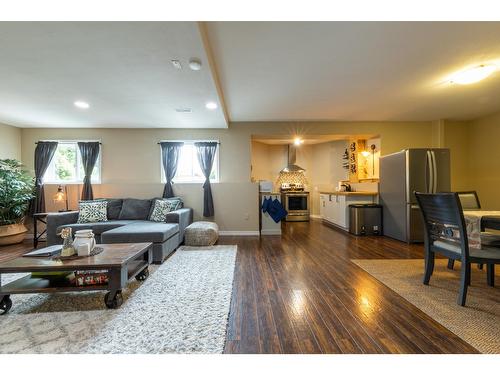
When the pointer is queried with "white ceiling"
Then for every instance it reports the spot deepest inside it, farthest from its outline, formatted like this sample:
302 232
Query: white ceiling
268 71
122 69
354 71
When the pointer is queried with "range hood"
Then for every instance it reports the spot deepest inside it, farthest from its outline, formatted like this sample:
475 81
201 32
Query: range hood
292 158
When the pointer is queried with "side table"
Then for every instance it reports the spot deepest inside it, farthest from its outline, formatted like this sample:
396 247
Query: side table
37 237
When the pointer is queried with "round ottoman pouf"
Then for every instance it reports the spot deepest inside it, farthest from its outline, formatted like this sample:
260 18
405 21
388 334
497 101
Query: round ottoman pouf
201 233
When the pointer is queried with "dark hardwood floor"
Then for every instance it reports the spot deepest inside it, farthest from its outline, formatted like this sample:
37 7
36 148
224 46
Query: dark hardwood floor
300 293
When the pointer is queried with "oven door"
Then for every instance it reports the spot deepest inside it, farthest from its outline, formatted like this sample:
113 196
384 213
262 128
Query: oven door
297 205
297 202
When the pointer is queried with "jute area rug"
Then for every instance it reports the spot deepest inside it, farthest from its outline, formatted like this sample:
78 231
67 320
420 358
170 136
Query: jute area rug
478 323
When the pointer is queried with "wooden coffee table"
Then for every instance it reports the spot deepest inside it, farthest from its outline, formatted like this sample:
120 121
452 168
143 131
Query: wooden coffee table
122 261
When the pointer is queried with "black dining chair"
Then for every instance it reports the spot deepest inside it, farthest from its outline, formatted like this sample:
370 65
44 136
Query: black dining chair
445 233
469 201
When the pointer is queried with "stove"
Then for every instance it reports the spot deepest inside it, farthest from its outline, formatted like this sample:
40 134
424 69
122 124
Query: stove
296 202
290 187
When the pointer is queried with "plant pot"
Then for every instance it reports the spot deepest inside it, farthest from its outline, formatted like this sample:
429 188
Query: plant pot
12 234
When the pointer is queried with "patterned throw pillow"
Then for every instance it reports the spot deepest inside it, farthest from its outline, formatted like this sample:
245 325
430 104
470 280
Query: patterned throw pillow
92 211
161 208
177 203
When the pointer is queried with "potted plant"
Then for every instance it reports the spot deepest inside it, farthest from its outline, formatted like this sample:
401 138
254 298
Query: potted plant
16 191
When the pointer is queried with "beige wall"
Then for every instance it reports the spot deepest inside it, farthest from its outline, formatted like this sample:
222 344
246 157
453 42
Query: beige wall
455 137
131 168
326 170
322 162
10 142
483 154
131 160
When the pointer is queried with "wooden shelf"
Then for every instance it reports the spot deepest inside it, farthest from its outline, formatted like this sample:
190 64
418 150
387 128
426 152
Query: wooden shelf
29 284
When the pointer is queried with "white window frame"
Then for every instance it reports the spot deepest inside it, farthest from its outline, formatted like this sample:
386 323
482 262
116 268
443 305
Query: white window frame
78 158
190 141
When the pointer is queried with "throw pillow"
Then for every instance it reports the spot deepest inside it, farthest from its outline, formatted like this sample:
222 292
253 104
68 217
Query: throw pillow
177 203
161 208
92 211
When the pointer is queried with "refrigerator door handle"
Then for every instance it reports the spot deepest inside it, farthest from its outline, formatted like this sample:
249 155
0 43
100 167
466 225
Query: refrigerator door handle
428 173
434 172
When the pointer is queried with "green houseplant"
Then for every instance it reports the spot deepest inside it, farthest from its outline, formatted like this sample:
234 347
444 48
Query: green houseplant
16 191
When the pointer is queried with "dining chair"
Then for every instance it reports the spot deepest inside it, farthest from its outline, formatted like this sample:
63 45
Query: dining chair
445 233
469 201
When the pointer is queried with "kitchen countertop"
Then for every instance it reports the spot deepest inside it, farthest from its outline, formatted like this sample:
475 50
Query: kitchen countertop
367 193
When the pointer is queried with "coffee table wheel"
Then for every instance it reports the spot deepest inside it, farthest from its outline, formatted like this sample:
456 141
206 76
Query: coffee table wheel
5 305
143 275
115 302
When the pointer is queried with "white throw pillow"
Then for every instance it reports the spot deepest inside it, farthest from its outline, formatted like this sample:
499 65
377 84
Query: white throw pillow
92 211
161 208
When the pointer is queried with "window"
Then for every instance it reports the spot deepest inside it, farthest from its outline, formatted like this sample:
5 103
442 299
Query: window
188 169
66 166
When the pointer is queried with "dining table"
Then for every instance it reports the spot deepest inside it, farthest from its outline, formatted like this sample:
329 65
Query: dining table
478 221
490 222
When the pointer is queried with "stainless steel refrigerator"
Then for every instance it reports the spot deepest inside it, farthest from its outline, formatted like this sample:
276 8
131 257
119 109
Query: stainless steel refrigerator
403 173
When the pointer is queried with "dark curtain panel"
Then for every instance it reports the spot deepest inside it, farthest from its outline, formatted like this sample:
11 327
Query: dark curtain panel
170 159
89 152
206 156
44 152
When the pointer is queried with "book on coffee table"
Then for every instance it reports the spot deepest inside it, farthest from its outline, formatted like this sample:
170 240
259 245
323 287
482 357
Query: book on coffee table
45 252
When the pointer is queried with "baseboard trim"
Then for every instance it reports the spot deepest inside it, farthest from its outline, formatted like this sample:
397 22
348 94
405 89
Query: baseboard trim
239 233
315 216
271 232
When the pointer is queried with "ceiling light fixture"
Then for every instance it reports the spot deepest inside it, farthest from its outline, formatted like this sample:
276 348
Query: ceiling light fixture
81 104
211 105
195 64
473 75
183 110
298 141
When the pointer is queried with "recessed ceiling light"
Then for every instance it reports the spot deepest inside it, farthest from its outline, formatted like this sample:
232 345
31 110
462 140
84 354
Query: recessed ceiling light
81 104
211 105
183 110
195 64
298 141
476 74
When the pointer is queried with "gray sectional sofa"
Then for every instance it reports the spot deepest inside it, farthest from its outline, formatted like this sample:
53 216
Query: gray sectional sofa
127 222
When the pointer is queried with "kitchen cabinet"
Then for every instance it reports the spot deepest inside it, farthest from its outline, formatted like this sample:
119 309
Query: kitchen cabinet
334 206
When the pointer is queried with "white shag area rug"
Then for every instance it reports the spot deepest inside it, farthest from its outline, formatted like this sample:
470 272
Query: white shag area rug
183 307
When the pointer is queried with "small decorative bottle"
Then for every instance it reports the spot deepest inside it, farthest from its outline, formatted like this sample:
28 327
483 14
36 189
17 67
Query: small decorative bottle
68 248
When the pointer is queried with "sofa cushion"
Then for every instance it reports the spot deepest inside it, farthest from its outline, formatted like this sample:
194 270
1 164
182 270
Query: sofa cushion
135 209
74 227
141 232
114 208
98 227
